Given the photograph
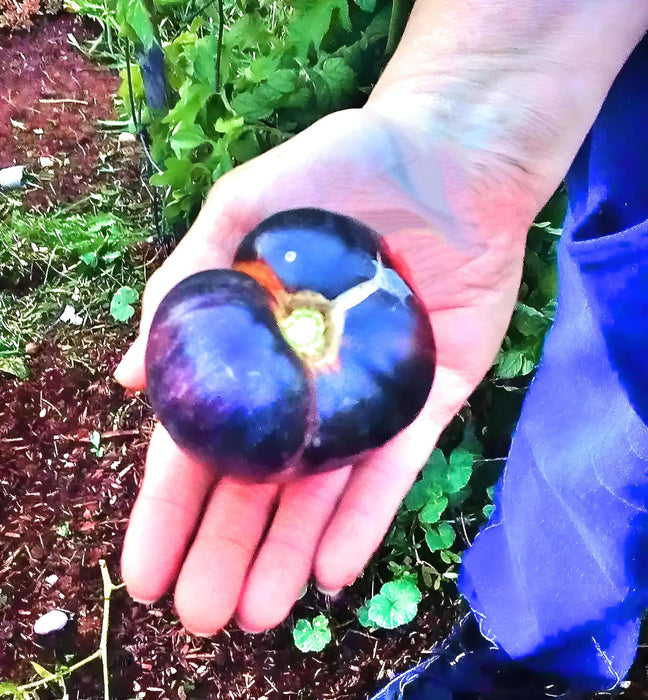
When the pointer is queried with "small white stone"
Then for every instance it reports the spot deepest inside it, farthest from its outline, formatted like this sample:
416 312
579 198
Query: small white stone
46 162
127 137
12 177
51 580
69 315
53 621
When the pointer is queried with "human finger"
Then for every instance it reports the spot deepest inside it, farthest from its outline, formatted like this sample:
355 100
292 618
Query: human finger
163 519
215 567
284 562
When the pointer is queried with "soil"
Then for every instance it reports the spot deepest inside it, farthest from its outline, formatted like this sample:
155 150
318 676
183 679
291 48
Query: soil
51 98
65 505
63 508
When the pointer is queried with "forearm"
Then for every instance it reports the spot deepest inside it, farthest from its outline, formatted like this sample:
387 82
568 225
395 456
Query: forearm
521 80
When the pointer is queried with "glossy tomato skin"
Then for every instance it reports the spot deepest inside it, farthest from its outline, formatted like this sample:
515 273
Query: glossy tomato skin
387 353
222 379
233 392
386 372
312 249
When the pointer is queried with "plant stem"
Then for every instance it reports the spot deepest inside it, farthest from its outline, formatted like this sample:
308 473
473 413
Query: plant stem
101 653
399 14
129 78
219 46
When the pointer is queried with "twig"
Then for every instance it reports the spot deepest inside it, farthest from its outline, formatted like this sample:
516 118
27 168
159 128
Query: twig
101 653
108 435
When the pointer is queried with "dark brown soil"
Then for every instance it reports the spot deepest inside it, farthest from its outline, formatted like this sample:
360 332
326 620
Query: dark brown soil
63 508
51 98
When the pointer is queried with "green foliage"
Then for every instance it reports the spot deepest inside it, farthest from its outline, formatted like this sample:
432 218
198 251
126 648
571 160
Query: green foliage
121 305
312 636
395 605
58 269
534 313
96 447
274 69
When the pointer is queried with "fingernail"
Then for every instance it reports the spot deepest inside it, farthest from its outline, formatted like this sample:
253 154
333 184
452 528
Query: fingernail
143 602
245 629
330 593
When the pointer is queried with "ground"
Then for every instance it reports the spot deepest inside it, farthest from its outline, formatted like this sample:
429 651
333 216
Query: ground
65 505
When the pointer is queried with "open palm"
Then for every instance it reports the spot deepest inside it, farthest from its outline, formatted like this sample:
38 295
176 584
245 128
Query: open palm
243 551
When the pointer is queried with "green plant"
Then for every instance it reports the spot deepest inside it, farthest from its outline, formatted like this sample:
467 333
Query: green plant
312 636
28 691
242 77
96 447
395 605
61 269
121 308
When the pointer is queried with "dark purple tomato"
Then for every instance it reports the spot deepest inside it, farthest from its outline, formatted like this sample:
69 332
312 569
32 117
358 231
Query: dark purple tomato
311 352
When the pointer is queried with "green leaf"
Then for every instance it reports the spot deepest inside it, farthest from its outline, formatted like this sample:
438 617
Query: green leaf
513 363
202 57
452 476
529 321
366 5
229 126
136 19
7 688
441 536
63 530
120 306
262 68
256 104
185 137
15 366
396 604
338 77
432 510
41 671
314 19
312 636
89 259
363 616
460 468
418 495
283 80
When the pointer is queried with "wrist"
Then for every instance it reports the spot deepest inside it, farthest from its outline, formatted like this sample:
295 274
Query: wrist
519 83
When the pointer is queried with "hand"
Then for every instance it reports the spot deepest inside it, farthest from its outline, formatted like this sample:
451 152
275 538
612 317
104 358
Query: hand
244 551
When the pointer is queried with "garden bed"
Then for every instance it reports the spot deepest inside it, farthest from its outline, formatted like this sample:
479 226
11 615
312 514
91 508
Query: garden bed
72 446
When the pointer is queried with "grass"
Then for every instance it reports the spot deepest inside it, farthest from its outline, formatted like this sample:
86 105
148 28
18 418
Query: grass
61 269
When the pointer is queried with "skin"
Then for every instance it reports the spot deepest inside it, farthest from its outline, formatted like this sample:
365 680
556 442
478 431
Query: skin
470 129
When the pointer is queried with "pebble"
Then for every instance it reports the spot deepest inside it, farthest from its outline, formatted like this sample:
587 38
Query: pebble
53 621
12 177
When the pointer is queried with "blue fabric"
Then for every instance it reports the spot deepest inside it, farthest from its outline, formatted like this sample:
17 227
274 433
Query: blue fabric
559 577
